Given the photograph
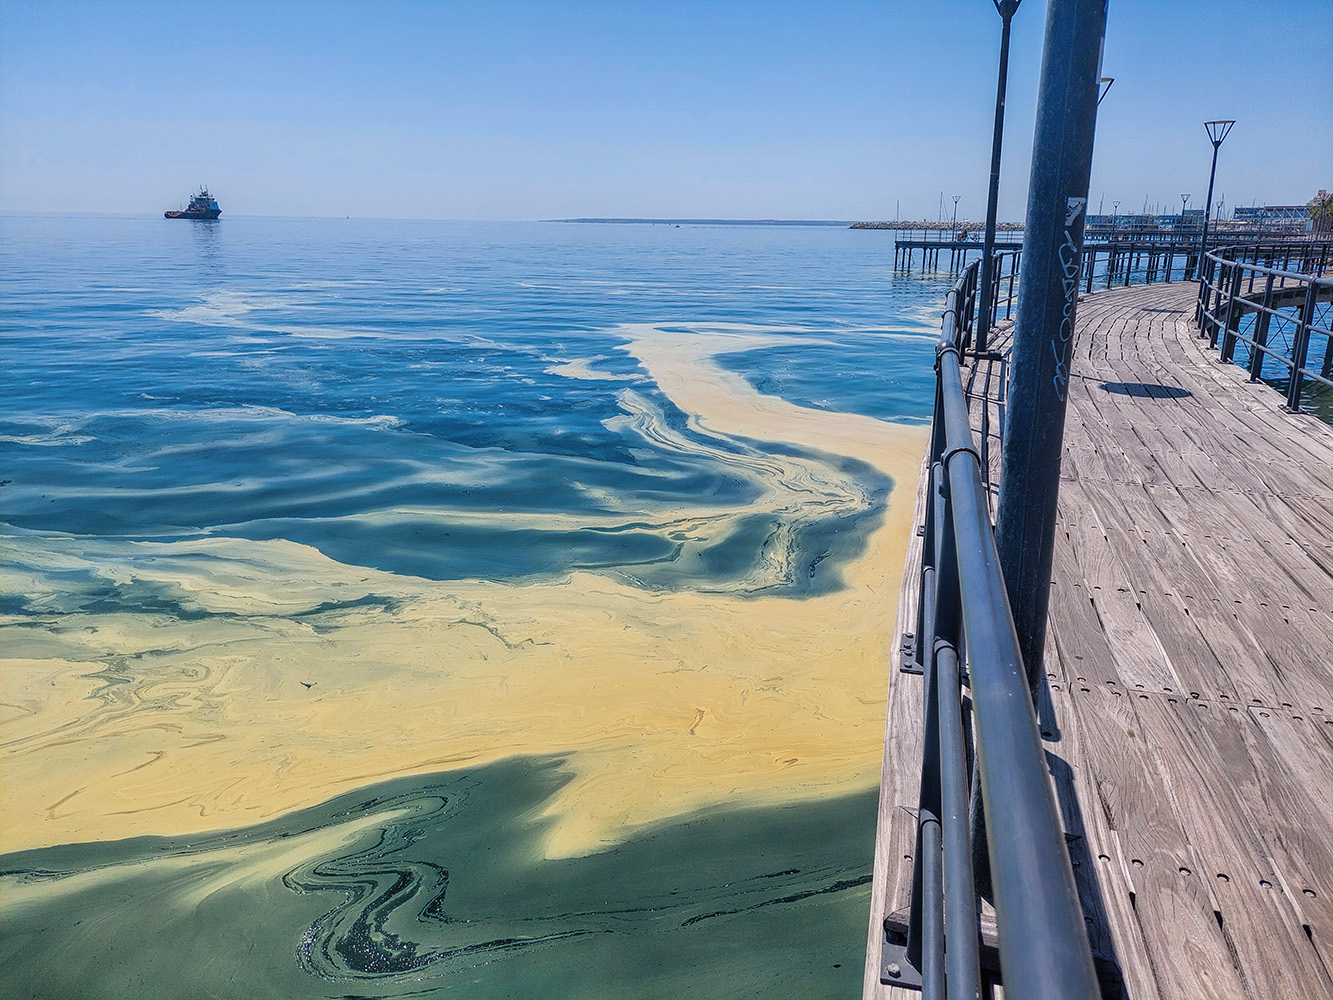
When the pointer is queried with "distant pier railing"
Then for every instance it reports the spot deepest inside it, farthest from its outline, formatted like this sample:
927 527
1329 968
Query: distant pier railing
966 636
1110 263
1105 263
1275 304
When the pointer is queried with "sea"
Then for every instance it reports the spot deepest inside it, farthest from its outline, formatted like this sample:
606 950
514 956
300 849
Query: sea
413 608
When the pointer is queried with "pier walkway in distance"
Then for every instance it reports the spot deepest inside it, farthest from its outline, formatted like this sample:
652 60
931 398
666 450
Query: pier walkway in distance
1188 706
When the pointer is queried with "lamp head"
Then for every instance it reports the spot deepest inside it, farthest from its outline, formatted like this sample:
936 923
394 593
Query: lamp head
1217 131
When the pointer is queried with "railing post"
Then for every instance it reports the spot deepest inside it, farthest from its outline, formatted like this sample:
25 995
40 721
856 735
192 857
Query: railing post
925 929
1223 275
963 318
925 622
1206 269
960 895
1326 369
1233 312
969 303
1300 348
1013 273
1259 348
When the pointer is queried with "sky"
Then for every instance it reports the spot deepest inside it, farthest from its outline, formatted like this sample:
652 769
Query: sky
536 109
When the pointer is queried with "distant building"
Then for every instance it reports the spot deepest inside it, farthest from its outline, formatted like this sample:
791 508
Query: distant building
1321 212
1131 224
1293 217
1255 220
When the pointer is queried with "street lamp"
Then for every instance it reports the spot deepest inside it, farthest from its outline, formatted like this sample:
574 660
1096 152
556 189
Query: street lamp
1217 131
1006 9
955 214
1184 200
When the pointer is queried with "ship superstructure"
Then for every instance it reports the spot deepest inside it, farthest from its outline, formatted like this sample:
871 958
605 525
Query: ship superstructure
202 206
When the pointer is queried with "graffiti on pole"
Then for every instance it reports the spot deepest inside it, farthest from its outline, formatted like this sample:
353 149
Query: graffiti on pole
1071 263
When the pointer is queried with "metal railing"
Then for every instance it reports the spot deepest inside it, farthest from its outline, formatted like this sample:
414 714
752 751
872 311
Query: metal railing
1278 306
1120 263
982 743
965 621
1004 287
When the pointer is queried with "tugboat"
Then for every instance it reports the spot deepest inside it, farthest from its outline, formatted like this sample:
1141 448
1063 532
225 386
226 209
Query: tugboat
202 206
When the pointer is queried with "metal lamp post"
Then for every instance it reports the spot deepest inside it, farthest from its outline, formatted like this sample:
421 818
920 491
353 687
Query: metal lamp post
1217 131
1184 200
1025 525
1007 9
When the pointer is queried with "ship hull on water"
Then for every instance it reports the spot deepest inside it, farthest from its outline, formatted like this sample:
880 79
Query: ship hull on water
201 206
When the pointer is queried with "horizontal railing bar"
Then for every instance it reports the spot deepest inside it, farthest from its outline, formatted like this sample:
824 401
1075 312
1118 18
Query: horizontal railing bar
1263 269
1043 943
1312 374
1265 350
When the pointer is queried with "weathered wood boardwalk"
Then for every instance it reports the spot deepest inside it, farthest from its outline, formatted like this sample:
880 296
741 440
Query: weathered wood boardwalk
1188 710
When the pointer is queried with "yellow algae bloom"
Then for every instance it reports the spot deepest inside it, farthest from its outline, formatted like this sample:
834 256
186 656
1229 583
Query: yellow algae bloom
298 678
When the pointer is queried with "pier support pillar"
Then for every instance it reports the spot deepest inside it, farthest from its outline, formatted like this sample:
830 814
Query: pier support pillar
1044 328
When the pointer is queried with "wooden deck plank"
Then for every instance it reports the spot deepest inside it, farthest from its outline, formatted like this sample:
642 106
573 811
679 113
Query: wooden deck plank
1118 606
1210 772
1186 949
1294 817
900 777
1104 884
1248 409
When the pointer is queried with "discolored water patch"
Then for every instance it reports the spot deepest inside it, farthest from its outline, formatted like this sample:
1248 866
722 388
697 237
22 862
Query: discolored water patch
439 883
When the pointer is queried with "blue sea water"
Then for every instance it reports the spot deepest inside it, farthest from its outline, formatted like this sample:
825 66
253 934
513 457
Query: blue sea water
437 403
276 378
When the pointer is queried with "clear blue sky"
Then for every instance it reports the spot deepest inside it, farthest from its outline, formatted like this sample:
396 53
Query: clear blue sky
503 109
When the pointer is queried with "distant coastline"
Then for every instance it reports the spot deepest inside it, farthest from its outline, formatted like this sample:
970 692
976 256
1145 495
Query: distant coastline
901 225
714 222
906 225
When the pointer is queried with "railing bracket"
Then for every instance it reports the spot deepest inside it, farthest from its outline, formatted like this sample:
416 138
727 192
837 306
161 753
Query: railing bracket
894 968
907 655
960 449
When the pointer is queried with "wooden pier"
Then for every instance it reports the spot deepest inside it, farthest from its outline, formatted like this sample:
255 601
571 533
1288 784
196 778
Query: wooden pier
1187 710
